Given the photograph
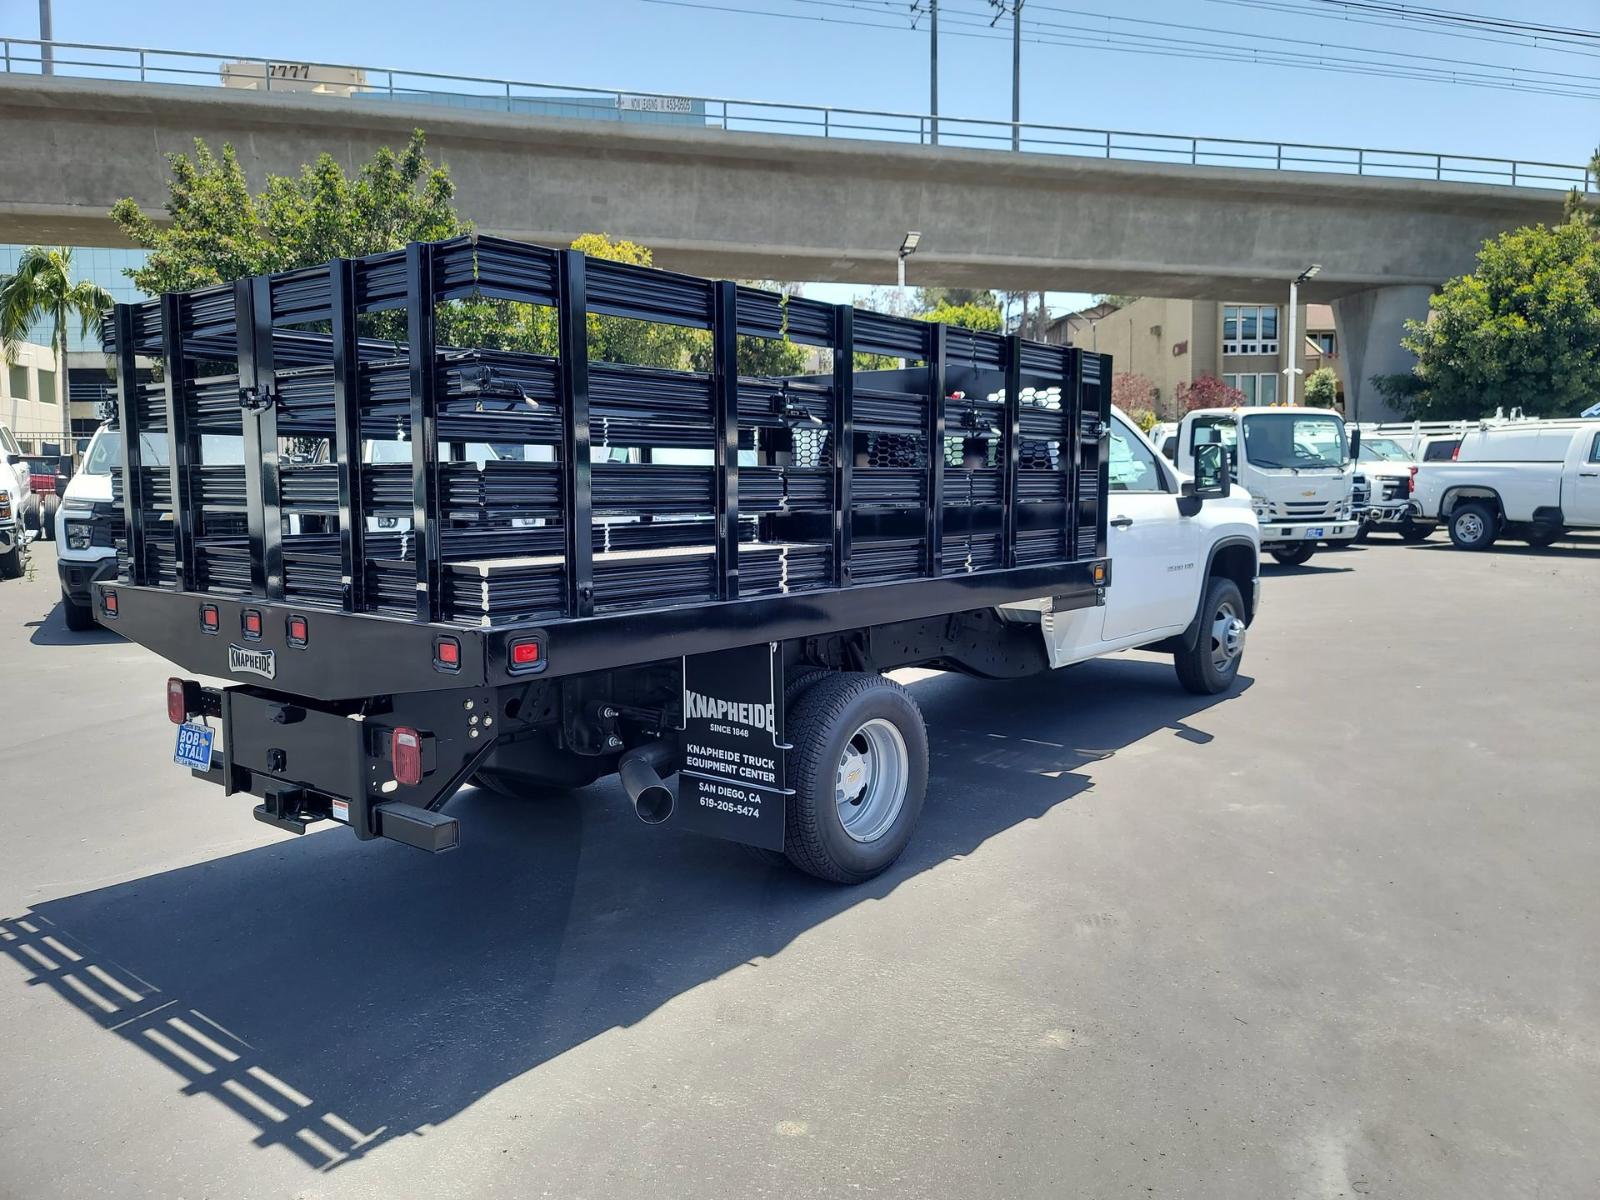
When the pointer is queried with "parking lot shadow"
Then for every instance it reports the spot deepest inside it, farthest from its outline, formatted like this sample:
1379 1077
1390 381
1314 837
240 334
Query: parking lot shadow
335 995
52 630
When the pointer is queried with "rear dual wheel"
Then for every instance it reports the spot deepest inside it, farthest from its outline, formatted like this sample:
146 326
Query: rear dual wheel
859 771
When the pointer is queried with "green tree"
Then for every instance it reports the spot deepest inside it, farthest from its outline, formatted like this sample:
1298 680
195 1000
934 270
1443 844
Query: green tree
217 231
1523 330
930 298
1322 387
1115 299
42 288
1575 209
982 317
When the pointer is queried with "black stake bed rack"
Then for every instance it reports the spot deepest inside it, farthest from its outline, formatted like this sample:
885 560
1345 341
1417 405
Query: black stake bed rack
316 450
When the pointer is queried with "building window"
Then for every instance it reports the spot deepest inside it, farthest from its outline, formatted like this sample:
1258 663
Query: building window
1249 328
19 384
1257 389
47 386
1325 343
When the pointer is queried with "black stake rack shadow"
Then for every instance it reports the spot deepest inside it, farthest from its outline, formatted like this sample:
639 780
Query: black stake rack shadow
335 996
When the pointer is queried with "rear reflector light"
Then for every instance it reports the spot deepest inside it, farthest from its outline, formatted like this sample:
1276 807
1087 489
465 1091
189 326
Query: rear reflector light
251 621
1411 481
108 603
210 618
299 631
405 748
447 654
177 702
527 655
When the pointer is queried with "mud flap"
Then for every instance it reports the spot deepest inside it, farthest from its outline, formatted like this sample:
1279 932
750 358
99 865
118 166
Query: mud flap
731 782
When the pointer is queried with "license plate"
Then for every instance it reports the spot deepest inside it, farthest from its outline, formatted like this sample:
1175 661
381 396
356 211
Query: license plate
194 747
1317 532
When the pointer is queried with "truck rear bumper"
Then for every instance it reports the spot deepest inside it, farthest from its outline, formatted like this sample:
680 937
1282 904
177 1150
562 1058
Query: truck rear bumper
1281 533
309 762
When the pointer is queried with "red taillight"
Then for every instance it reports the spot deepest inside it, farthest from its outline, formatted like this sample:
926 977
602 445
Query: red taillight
108 603
1455 454
405 748
252 623
527 655
299 631
177 702
447 654
210 618
1411 481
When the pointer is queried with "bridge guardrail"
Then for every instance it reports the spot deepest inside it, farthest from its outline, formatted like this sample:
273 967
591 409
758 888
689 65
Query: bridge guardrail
149 65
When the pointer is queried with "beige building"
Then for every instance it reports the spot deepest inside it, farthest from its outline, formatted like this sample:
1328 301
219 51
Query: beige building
31 398
1175 342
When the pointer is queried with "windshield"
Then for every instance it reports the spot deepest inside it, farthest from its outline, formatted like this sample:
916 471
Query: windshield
1294 441
105 451
1383 450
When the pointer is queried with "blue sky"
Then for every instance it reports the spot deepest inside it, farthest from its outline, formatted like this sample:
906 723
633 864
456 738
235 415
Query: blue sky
636 44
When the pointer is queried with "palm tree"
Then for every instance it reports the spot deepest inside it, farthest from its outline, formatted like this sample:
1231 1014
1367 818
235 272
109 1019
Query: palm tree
42 289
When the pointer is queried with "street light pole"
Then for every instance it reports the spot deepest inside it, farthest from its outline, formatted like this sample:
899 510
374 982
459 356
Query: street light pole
1016 74
933 70
1292 371
47 53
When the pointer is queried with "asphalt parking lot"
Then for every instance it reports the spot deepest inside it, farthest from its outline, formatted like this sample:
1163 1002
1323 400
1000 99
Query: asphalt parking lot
1334 934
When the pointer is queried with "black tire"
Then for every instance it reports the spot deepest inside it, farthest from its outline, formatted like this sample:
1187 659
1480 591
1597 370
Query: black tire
79 617
833 714
1363 532
1474 526
11 563
798 682
1297 555
1541 536
1212 664
1415 531
47 518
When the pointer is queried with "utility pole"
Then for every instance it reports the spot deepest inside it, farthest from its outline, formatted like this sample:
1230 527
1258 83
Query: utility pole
933 62
47 53
1016 63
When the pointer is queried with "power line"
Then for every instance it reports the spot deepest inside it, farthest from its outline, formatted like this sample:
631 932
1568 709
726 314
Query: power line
1313 10
1060 35
1450 16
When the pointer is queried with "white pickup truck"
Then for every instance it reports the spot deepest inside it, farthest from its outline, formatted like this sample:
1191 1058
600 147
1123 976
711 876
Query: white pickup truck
16 501
1533 480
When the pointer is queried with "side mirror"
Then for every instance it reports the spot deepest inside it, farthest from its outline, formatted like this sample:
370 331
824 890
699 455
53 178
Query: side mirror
1212 480
1355 445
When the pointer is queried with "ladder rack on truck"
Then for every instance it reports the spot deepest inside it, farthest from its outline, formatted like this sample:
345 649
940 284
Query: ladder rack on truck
425 563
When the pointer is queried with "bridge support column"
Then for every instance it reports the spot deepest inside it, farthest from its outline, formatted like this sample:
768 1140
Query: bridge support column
1369 326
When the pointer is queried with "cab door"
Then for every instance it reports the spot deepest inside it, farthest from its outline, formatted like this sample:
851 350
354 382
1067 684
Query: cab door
1154 573
1582 505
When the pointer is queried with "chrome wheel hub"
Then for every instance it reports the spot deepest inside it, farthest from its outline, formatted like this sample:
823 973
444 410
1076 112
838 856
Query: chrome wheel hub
1227 637
870 784
1470 526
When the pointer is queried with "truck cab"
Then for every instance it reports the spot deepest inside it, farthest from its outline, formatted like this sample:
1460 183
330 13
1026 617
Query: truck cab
1297 464
1167 551
84 527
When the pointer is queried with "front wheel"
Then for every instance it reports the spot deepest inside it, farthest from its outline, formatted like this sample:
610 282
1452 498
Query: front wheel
1474 527
1296 555
859 770
11 563
1414 531
1212 663
47 518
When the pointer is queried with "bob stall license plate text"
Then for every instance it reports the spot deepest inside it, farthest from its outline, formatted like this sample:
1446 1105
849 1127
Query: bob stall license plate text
194 747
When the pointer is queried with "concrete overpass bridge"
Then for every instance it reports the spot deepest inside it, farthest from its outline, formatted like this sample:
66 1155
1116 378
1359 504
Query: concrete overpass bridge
754 205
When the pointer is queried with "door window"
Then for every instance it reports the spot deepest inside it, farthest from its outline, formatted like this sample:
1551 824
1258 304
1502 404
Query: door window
1594 449
1133 464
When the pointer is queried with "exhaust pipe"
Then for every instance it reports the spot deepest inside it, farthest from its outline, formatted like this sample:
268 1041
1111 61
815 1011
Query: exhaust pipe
640 772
